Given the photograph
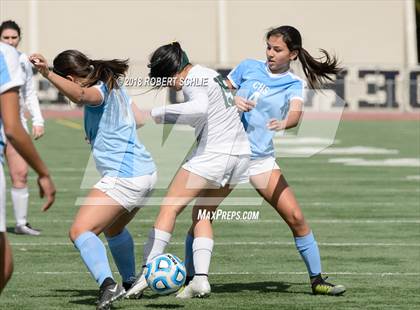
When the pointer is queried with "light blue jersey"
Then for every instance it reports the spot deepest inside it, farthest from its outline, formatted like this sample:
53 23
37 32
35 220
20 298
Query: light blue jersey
111 130
272 94
11 76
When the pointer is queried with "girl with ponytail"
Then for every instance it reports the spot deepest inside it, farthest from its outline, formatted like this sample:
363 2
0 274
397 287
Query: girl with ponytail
271 99
218 162
127 169
316 70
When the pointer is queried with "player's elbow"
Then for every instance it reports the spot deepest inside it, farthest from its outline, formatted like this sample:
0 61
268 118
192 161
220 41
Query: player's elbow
201 105
12 130
75 100
202 108
10 133
293 124
202 111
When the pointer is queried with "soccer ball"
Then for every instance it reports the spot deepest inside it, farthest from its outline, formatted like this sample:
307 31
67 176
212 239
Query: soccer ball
165 274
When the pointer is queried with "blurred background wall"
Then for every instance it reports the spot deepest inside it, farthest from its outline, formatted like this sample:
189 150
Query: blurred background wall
374 39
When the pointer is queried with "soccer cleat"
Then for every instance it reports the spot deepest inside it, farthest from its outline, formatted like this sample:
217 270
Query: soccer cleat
27 230
198 287
108 293
128 285
137 288
321 287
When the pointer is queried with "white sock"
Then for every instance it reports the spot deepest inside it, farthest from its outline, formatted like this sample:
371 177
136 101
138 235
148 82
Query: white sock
156 244
20 198
202 249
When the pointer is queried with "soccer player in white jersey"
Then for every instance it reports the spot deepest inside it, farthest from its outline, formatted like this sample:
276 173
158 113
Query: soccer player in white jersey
127 169
18 168
11 78
272 98
218 162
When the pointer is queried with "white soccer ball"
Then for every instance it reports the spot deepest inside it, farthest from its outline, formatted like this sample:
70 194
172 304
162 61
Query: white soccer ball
165 274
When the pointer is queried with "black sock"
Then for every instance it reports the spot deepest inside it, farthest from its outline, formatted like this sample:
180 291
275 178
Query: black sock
127 285
108 281
315 278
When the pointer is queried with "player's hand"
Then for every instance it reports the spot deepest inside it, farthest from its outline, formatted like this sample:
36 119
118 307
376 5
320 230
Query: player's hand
37 132
40 64
243 105
276 125
47 190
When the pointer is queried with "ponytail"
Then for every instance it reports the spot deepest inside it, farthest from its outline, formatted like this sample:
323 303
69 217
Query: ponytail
107 71
317 70
73 62
167 60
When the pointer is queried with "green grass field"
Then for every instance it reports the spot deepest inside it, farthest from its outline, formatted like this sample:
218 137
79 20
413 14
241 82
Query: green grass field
366 220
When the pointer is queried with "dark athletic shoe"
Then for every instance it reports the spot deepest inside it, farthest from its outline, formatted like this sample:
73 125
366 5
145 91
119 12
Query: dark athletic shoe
321 287
108 293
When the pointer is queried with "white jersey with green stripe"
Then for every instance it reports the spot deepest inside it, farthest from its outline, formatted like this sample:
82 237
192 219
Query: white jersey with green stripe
209 108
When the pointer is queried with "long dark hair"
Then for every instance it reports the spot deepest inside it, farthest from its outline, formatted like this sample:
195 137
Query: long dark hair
317 70
167 60
9 24
73 62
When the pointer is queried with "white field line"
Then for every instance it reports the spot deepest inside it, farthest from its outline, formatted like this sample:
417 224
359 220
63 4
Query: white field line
263 243
157 201
343 273
355 203
304 141
340 273
319 203
324 150
325 179
278 220
349 188
388 162
252 201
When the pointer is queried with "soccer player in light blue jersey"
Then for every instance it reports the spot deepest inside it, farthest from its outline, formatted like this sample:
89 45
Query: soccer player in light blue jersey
127 169
271 98
11 79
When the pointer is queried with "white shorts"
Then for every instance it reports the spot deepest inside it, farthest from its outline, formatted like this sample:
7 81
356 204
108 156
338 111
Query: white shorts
218 168
262 165
128 192
2 200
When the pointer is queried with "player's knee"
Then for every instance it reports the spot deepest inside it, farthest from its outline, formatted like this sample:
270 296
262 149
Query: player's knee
170 211
75 231
296 219
19 178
